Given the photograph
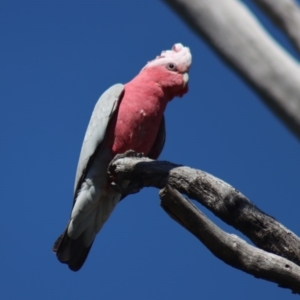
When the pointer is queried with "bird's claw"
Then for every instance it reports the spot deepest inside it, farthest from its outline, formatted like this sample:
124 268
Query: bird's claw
129 153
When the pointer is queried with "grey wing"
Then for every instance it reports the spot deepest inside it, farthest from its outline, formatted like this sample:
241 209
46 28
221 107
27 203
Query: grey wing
102 113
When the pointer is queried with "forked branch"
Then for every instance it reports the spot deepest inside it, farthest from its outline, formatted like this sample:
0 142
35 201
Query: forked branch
241 41
225 202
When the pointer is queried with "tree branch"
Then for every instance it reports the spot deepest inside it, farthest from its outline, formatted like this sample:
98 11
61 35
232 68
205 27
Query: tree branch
235 34
228 247
286 15
222 199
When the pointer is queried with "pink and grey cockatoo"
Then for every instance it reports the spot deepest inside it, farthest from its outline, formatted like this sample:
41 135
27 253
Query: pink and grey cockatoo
129 116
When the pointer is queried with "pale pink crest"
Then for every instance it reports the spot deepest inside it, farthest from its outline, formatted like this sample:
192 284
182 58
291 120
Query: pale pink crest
178 55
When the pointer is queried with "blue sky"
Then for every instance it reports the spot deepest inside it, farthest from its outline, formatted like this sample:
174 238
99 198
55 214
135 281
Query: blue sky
57 57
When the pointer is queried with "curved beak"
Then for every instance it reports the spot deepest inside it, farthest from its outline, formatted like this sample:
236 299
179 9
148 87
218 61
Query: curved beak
185 79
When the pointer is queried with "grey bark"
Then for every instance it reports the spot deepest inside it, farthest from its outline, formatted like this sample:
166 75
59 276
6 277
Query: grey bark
286 15
225 202
228 247
236 35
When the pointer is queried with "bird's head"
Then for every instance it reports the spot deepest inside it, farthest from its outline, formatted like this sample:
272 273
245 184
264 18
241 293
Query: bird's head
170 70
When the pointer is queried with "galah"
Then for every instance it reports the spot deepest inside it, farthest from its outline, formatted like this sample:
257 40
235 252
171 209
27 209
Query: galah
129 116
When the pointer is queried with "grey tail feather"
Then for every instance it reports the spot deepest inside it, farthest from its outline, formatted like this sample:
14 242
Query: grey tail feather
71 252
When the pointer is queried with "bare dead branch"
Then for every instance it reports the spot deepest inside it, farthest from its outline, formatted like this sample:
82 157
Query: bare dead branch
235 34
286 15
228 247
222 199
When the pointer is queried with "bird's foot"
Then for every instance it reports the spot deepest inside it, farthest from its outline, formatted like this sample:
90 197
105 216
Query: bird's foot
118 183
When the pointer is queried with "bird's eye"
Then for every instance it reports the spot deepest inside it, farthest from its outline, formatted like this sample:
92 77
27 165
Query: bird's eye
171 66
